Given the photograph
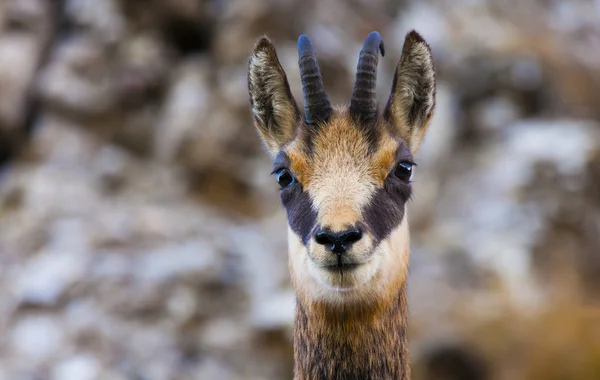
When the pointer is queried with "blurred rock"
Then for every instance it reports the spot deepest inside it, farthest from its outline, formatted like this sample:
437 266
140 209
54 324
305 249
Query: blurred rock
188 101
27 28
77 80
143 65
77 368
102 21
46 278
18 58
496 113
275 312
194 258
37 338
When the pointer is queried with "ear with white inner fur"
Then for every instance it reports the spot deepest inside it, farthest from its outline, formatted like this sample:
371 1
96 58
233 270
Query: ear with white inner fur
412 101
273 107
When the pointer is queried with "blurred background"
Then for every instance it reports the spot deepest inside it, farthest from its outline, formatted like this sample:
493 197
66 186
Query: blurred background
141 236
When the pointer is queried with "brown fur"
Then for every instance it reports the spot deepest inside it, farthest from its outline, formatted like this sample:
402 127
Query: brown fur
326 147
351 323
357 343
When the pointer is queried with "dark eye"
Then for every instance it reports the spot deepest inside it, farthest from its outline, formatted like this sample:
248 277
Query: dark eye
284 178
404 171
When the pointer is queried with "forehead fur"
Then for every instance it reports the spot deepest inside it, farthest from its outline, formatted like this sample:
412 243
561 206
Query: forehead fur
343 147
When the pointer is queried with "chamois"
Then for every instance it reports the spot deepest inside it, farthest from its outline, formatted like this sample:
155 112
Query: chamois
345 177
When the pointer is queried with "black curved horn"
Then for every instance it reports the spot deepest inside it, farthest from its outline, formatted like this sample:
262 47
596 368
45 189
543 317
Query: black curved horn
363 103
316 105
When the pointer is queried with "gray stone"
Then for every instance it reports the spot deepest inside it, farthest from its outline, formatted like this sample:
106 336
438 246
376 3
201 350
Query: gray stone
78 79
81 367
193 258
19 55
44 279
37 338
101 20
188 101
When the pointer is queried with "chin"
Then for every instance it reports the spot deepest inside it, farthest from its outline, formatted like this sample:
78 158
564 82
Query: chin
338 283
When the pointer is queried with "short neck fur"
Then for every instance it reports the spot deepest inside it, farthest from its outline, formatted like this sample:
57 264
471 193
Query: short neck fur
353 344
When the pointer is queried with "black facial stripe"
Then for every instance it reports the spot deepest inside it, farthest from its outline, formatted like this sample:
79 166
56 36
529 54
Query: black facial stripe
300 211
403 152
372 132
385 210
298 205
281 161
307 135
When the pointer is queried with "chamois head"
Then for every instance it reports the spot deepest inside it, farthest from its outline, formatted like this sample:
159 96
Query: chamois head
345 172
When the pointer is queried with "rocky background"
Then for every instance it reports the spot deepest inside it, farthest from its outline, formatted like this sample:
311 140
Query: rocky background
141 236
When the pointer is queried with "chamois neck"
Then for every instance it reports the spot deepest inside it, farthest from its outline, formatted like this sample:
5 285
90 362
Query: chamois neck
351 344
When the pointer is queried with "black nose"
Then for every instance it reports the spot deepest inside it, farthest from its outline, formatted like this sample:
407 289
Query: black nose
338 242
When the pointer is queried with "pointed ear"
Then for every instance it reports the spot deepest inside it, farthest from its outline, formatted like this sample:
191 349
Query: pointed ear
411 103
273 107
